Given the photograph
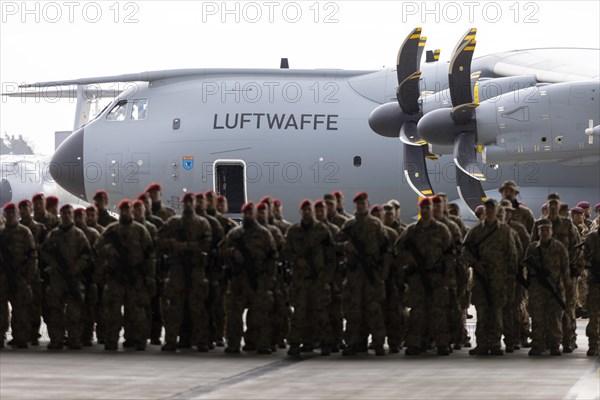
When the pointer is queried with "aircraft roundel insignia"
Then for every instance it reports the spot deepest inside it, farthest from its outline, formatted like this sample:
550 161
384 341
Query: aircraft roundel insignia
188 162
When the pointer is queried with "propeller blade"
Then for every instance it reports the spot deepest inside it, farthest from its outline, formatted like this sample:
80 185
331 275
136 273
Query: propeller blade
459 74
465 155
469 190
415 170
408 94
408 134
406 63
422 43
462 114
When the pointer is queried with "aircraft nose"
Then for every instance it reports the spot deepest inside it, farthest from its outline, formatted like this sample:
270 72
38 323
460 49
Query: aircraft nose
5 192
66 167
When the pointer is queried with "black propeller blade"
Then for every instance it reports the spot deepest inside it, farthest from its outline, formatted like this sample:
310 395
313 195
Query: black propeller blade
469 190
415 170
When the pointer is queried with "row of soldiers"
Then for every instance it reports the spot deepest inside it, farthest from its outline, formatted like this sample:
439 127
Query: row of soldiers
197 273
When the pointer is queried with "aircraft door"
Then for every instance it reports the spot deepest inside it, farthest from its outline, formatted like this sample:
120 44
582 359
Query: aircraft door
230 181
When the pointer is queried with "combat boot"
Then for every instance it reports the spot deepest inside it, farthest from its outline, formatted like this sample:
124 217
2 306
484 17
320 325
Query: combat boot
335 348
349 351
220 342
265 350
1 343
412 351
87 343
55 346
479 351
128 344
379 350
556 352
75 346
140 346
249 347
281 344
394 349
509 349
111 346
201 348
325 350
154 342
592 352
534 351
232 350
294 351
496 352
307 348
169 347
567 349
184 344
443 351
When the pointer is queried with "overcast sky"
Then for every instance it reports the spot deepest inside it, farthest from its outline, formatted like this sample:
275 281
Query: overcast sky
71 39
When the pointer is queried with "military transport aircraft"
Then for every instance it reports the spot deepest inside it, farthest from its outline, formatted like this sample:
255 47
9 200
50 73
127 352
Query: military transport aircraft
460 127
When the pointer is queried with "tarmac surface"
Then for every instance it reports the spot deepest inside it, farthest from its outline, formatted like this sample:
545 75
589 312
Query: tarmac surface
94 374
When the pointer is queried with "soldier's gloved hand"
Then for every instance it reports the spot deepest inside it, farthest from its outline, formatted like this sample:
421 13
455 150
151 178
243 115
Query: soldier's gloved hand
350 248
238 257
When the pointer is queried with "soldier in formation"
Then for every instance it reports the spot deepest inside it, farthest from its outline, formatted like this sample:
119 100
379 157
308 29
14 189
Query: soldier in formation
409 286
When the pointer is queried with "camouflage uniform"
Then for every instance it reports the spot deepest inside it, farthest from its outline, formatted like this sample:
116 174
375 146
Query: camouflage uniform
214 274
565 232
496 248
17 272
523 215
310 292
129 281
363 295
67 254
49 220
546 314
105 219
187 239
280 317
426 253
592 254
161 211
392 307
338 219
282 224
336 285
583 230
257 245
39 233
88 316
456 317
521 321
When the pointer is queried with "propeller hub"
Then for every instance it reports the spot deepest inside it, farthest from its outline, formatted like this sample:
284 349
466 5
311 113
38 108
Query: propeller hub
387 119
438 128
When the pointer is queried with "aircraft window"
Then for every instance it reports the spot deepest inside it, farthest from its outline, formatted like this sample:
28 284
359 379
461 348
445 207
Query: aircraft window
117 113
139 108
357 161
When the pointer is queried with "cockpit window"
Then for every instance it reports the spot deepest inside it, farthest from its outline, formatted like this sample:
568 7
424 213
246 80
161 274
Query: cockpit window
138 110
118 112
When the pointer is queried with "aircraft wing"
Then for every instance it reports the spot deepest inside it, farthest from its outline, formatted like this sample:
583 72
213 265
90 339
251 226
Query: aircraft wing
550 65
